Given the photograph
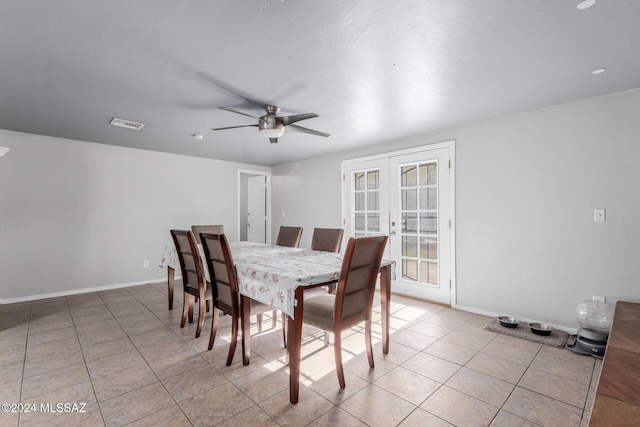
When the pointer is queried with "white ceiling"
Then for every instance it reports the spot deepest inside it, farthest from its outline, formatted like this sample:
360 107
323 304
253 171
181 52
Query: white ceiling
373 70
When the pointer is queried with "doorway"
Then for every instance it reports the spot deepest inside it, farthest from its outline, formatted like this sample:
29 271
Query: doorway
254 206
408 195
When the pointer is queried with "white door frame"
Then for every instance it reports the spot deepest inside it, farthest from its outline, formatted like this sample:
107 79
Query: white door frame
242 196
447 144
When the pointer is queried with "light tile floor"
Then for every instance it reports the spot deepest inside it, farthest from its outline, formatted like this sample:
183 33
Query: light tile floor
122 358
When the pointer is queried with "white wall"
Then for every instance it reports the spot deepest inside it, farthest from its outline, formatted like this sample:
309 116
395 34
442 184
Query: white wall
306 194
77 215
526 187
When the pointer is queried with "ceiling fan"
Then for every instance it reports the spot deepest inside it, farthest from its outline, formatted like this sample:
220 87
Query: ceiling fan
273 126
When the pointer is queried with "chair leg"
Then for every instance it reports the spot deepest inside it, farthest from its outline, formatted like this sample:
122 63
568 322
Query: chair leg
185 309
259 320
201 308
274 319
191 302
326 339
337 351
234 340
214 326
285 328
367 341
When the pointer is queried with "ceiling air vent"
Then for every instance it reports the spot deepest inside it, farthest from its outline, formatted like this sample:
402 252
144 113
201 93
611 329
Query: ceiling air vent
126 123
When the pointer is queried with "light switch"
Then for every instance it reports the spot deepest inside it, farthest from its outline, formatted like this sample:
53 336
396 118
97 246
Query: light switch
599 215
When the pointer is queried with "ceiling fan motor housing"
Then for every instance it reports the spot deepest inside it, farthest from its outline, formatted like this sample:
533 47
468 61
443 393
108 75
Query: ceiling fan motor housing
270 126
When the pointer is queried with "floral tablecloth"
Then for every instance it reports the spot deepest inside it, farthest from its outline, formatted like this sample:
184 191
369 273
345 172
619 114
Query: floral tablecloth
169 258
270 274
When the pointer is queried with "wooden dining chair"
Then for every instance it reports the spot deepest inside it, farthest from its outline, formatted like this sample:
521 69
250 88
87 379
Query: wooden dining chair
193 281
213 229
289 236
327 239
224 284
353 301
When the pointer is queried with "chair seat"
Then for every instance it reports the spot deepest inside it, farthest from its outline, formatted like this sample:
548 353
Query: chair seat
258 307
318 311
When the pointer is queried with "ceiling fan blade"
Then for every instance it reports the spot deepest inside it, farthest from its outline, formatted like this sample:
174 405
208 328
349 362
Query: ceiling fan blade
287 120
273 140
296 128
237 112
231 90
235 127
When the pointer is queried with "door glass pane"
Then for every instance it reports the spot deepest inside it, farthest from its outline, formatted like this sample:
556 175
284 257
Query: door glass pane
408 176
358 181
373 222
429 272
359 222
373 201
359 201
429 198
429 223
410 246
373 180
409 269
409 222
409 199
429 247
428 174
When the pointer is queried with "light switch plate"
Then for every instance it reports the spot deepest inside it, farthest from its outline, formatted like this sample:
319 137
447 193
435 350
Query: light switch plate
599 215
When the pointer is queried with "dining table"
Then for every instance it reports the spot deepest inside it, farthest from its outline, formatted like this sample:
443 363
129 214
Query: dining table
279 276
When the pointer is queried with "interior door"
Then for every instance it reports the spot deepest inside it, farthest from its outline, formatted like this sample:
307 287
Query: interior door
407 195
256 209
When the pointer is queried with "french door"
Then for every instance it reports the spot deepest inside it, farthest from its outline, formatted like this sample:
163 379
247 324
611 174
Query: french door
409 196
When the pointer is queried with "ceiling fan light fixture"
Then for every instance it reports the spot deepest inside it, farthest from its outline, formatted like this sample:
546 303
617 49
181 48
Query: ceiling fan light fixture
272 133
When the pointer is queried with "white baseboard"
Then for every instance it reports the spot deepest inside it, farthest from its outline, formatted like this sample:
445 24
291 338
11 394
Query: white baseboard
79 291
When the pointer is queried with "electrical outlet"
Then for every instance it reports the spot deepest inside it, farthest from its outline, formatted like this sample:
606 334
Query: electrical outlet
599 299
599 215
145 263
